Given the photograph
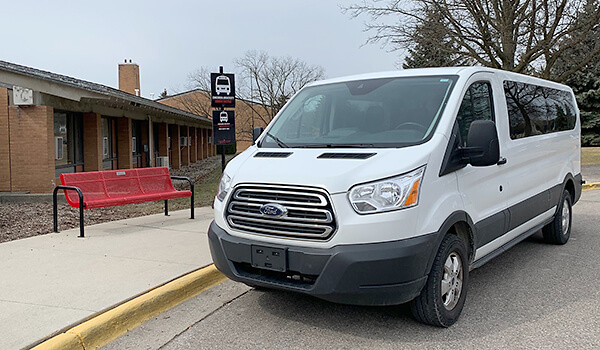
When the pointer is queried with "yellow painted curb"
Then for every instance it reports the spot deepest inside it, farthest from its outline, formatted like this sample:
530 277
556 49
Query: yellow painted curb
62 341
591 186
105 327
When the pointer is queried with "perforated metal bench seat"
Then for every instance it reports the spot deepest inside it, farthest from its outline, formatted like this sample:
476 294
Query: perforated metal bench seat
98 189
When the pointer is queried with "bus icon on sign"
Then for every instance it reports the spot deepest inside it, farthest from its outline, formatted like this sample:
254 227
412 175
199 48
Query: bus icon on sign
222 85
223 118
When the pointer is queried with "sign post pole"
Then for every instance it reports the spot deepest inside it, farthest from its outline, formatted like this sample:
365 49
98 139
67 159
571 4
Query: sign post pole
222 146
223 96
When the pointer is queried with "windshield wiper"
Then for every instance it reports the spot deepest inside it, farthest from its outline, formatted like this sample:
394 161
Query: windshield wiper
337 145
278 141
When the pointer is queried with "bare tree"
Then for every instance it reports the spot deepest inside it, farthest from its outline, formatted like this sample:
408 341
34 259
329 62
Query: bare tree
268 82
197 99
516 35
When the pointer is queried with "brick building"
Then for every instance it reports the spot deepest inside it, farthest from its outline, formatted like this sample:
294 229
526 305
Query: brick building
52 124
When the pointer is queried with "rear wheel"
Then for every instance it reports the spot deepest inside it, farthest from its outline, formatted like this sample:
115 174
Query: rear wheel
443 297
559 230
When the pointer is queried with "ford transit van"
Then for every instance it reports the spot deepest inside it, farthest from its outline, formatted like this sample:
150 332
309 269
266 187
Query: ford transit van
389 188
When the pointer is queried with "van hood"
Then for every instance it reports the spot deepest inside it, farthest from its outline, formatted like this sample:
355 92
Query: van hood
335 170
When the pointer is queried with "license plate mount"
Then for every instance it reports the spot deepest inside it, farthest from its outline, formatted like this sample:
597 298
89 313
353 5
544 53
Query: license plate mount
268 258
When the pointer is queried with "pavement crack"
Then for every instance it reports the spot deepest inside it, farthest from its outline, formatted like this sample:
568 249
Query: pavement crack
224 304
45 305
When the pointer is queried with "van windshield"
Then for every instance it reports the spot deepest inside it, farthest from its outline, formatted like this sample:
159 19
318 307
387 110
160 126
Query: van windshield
383 113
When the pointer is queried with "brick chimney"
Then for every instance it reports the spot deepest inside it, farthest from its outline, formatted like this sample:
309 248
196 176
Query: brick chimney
129 78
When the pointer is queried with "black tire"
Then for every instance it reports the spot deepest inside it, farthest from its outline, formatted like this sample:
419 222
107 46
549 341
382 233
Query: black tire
432 306
556 232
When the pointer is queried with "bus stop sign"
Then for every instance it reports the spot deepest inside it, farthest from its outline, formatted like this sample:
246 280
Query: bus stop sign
223 127
222 90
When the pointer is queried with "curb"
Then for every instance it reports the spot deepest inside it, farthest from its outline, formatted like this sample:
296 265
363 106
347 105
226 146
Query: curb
105 327
591 186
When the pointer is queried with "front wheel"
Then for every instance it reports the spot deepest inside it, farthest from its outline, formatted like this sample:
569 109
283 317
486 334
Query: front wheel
443 296
559 230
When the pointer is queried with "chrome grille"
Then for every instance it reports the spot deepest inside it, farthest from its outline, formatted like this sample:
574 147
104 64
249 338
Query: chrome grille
309 211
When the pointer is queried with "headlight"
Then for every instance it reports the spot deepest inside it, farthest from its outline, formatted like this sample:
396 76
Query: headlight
224 187
398 192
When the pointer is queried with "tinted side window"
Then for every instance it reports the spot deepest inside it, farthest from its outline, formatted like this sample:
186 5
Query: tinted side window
476 105
536 110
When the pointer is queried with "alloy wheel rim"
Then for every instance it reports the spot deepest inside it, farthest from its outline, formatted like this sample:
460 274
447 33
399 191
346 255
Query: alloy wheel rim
565 217
452 281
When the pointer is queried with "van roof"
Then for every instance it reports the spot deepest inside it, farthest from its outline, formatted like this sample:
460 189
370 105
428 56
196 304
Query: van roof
460 71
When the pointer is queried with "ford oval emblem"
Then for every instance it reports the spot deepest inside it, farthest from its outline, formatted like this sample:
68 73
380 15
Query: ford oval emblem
273 210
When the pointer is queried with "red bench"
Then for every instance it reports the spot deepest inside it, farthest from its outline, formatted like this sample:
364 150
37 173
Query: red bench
98 189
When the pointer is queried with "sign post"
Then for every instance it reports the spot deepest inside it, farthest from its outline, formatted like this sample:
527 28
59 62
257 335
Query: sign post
222 86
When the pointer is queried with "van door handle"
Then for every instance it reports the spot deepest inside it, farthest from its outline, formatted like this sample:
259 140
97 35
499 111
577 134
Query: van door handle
501 161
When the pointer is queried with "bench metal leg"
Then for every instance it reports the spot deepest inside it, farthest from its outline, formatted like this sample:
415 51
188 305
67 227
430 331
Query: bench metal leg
81 235
192 204
166 207
55 209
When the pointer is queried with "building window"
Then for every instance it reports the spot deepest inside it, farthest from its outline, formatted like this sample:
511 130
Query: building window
136 142
108 155
105 147
59 148
68 142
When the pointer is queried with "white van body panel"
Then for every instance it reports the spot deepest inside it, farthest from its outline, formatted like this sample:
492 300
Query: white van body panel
303 167
506 238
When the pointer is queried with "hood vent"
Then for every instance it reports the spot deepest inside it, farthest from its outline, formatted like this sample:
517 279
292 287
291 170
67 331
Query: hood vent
272 154
346 155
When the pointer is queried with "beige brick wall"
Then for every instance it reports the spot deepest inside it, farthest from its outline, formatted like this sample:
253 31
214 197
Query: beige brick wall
185 151
32 148
193 145
175 160
4 146
124 148
163 139
92 141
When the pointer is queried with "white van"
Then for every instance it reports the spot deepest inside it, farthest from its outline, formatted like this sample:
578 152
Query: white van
388 188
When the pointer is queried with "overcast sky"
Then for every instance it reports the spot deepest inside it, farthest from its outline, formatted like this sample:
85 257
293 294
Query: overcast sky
170 39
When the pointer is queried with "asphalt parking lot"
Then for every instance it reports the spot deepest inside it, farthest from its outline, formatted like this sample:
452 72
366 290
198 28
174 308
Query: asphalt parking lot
536 296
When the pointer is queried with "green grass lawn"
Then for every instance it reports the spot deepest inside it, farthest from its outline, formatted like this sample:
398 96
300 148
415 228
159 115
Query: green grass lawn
204 192
589 156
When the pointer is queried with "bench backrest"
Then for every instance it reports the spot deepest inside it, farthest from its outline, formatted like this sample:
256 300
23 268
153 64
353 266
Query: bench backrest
97 185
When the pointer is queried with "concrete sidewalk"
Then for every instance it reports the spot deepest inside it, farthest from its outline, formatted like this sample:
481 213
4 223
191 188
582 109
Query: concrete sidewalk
52 281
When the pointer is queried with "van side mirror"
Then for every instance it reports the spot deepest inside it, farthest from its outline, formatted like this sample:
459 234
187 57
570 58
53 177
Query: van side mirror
256 133
483 148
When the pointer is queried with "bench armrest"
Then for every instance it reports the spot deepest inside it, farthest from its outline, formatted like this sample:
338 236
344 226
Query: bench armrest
184 178
55 206
72 188
191 188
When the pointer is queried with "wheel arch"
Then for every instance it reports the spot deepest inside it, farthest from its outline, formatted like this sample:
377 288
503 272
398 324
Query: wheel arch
569 185
458 223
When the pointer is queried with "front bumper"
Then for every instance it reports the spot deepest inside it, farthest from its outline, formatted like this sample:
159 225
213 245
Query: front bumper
362 274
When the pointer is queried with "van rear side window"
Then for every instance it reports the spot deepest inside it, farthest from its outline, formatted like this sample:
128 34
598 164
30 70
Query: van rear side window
536 110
